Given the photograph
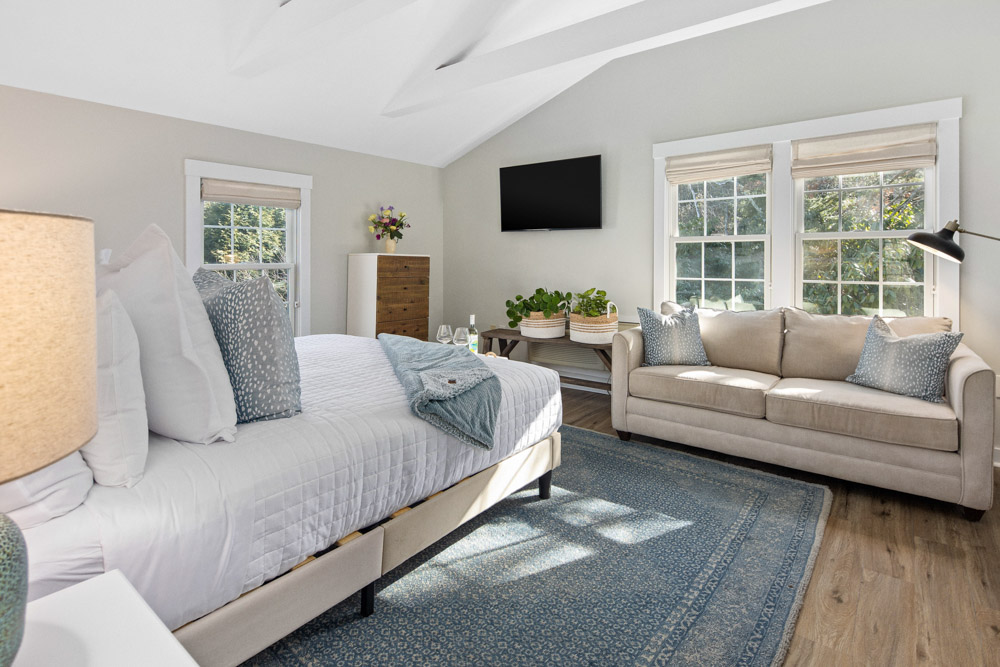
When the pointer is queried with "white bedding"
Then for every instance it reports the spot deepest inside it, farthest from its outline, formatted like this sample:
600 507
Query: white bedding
208 523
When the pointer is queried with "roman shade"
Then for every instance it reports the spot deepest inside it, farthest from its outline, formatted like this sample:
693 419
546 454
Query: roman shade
719 164
257 194
910 147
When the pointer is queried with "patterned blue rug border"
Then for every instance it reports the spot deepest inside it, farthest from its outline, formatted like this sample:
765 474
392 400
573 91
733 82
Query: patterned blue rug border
749 656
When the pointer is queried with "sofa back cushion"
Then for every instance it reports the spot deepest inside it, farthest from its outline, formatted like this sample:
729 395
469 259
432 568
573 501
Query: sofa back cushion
750 340
907 365
828 347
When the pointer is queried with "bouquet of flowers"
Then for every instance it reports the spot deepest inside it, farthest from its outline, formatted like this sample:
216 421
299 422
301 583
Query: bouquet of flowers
387 224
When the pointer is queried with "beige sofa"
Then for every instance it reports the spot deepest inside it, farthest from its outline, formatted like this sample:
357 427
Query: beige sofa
776 393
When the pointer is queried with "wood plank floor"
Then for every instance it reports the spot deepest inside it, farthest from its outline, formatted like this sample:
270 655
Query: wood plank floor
899 580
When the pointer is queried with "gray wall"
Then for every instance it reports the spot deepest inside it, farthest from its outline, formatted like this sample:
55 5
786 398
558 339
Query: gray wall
125 169
841 57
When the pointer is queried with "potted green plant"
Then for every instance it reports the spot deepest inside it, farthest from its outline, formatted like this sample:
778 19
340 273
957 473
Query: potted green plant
593 319
541 315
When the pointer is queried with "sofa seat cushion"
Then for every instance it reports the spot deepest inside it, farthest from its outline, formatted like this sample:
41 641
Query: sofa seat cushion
732 390
840 407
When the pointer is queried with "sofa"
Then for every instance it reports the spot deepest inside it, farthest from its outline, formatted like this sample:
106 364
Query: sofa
775 392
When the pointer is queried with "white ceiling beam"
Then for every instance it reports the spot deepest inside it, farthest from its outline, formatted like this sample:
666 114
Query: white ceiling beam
645 25
466 24
293 29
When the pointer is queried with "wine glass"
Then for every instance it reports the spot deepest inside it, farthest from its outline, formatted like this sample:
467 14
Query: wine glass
462 336
444 333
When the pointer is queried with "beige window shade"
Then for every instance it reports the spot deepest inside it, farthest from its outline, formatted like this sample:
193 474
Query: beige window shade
909 147
719 164
234 192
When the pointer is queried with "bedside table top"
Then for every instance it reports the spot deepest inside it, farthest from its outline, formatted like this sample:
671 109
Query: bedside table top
101 621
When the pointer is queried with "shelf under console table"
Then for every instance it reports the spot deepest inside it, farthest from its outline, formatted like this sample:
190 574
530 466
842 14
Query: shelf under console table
509 338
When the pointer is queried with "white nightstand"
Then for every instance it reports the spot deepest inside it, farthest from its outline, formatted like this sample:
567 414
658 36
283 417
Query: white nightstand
101 621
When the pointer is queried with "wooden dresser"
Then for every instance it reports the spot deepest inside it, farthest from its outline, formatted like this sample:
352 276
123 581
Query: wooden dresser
388 294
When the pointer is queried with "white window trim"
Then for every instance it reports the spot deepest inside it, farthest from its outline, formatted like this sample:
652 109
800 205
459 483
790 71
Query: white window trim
195 170
946 113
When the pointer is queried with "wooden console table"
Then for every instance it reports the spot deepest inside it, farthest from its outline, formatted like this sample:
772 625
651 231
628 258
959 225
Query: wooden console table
509 338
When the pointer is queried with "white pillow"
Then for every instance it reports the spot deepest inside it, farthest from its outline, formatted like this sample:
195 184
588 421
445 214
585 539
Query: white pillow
50 492
117 454
188 395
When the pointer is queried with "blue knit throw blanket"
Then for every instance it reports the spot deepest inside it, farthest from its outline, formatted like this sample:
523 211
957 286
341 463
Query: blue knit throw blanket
447 386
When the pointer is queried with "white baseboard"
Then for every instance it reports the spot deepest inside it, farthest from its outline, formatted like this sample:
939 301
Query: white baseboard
568 384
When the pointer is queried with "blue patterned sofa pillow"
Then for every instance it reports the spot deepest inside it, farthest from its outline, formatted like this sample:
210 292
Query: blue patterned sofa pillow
912 366
672 339
255 335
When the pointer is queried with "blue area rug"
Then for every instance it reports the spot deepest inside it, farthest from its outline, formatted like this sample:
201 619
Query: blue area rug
643 555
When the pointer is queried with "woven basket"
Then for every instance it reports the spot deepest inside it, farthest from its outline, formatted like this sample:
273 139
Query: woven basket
536 325
594 330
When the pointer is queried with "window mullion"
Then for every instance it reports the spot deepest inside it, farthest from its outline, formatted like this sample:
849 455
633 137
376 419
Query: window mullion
232 232
260 233
704 285
732 257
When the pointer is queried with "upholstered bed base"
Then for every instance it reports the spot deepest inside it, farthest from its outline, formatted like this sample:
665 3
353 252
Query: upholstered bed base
233 633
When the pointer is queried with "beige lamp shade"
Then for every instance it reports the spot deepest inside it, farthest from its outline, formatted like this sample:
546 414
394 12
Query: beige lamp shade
48 340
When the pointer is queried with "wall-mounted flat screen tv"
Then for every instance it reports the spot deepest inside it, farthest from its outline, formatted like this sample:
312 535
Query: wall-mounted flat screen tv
563 194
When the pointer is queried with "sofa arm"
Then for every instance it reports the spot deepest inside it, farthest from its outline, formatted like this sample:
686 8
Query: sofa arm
626 356
970 389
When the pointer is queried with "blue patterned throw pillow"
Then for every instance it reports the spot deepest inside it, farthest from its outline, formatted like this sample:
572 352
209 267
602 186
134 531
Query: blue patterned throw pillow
911 366
255 335
672 339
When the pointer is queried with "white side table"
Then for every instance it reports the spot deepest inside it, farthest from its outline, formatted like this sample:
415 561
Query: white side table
101 621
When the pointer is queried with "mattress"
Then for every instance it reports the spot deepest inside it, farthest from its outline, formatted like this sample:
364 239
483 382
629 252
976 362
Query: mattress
210 522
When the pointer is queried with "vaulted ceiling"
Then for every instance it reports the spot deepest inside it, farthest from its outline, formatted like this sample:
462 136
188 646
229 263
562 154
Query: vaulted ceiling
418 80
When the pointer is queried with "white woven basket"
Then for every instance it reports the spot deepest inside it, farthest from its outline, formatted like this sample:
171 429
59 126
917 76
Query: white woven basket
538 326
594 330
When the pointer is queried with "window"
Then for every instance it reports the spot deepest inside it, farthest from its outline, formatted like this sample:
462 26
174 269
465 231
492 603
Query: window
853 251
254 240
821 224
247 223
720 247
719 228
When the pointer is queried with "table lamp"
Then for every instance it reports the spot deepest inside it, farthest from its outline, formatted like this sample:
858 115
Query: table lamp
48 371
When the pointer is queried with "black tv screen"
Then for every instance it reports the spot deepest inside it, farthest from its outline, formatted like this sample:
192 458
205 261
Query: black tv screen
563 194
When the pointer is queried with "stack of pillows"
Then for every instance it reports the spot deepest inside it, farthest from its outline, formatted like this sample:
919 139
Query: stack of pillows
183 361
912 366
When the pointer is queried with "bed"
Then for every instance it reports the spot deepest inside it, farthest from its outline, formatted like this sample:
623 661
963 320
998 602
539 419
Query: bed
207 534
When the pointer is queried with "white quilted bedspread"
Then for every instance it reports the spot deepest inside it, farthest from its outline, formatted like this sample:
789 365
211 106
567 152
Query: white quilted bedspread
208 523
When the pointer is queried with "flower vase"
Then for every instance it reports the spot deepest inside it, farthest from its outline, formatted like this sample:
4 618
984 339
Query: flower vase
390 246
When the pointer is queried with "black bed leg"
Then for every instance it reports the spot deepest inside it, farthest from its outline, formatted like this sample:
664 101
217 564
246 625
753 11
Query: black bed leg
368 600
545 486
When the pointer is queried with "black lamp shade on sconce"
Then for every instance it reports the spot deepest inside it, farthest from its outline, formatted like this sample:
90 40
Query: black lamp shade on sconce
940 243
